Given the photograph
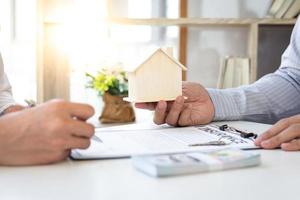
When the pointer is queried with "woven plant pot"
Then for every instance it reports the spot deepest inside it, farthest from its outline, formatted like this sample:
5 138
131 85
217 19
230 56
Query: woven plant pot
116 110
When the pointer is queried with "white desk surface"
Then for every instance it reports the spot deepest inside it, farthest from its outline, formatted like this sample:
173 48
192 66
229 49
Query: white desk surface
277 178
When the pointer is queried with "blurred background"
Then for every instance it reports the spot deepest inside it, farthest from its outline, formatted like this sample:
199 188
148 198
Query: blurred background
48 45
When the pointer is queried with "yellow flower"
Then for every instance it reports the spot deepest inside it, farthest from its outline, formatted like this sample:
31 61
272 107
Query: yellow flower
111 79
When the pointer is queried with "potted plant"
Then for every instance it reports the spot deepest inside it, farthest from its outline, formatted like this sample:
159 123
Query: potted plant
112 85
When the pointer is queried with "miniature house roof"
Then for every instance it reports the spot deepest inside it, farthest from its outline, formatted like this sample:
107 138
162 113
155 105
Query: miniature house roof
137 66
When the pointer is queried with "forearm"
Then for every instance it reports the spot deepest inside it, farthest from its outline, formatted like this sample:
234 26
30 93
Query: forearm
267 100
7 135
15 141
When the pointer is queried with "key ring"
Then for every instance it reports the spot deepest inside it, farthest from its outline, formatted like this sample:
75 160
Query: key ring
243 134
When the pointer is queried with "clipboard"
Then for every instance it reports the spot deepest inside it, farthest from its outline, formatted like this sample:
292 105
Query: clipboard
123 142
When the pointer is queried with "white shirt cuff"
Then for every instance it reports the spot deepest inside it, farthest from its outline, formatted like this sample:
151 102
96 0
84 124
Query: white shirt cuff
3 108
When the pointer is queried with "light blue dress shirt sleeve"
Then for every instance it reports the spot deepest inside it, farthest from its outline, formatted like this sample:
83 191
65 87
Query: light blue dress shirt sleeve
6 98
273 97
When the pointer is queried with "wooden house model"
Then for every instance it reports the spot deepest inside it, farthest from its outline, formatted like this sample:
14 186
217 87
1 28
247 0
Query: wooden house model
159 77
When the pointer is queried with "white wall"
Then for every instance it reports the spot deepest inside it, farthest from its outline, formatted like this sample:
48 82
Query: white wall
208 45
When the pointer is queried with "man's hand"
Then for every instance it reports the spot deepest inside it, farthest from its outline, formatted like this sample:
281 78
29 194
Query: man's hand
44 134
284 134
196 109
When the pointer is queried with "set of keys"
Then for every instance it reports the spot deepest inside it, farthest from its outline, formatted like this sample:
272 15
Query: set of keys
220 142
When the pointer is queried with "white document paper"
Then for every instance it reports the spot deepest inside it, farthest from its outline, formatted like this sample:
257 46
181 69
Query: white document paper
118 143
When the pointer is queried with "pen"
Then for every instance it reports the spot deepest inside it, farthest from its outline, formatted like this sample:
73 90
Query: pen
96 138
212 143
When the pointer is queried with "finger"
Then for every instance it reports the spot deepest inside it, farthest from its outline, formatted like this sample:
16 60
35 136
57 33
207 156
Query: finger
185 116
78 143
160 113
294 145
285 136
81 129
274 130
148 106
174 113
80 111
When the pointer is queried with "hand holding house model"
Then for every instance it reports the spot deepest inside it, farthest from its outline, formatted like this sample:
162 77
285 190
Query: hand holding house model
159 77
